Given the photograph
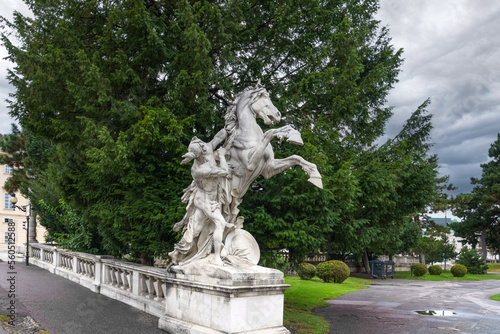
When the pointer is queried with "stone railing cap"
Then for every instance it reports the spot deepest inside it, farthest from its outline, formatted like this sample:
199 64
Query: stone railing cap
137 267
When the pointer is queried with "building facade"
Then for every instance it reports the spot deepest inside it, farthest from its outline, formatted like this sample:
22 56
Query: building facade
13 220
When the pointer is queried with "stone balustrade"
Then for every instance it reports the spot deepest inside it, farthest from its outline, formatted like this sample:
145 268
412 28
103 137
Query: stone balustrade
229 302
134 284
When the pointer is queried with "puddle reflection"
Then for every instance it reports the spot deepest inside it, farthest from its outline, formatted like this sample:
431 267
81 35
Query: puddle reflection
438 313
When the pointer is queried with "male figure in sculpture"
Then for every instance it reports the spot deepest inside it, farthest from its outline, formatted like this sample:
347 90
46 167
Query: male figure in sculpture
204 206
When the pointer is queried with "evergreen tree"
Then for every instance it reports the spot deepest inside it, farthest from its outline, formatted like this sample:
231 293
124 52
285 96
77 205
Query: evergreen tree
480 209
118 88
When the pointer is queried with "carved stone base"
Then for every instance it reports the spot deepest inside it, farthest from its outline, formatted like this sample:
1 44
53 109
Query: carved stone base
171 325
226 306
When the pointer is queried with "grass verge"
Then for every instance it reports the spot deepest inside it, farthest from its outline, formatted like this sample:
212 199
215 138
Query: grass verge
494 267
303 296
496 297
445 276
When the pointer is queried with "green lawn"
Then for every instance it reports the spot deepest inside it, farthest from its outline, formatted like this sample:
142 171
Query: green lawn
303 296
494 267
496 297
445 276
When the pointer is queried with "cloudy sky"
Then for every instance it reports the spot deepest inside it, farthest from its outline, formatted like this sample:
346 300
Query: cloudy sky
452 55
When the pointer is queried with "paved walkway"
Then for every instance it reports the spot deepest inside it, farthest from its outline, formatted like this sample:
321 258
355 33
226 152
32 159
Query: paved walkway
63 307
389 306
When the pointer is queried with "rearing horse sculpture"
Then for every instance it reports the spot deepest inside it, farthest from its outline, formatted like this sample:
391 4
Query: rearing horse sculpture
224 184
251 153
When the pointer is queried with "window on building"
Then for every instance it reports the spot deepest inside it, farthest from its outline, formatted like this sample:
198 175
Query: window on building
7 237
8 204
8 169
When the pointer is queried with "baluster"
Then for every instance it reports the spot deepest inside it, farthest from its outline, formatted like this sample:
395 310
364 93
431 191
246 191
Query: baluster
119 274
149 287
123 278
108 279
115 278
92 270
129 280
85 266
158 289
111 272
163 289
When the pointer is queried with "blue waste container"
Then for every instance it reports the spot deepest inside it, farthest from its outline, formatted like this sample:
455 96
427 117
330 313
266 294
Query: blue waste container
389 268
377 268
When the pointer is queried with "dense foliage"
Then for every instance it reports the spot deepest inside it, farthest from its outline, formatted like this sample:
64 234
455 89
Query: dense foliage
458 270
435 270
306 270
333 271
419 269
471 258
114 90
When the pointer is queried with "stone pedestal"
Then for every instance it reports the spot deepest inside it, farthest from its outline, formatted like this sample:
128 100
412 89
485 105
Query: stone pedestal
227 299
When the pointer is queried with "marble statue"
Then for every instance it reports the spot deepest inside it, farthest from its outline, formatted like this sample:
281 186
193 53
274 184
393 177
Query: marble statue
203 223
221 177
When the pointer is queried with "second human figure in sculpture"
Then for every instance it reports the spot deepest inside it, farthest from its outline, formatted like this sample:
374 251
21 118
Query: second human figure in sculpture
203 214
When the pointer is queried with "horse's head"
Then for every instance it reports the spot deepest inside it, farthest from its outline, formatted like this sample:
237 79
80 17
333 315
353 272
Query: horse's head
263 107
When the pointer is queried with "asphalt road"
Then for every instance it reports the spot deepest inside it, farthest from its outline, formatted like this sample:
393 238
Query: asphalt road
64 307
389 306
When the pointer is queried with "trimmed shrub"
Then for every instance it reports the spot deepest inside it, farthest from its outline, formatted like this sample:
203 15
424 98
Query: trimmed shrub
435 270
333 271
306 271
458 270
419 269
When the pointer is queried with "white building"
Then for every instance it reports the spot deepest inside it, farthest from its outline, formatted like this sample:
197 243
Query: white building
14 218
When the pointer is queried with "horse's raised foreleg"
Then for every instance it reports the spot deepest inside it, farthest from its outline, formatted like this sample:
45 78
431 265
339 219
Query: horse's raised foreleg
276 166
291 135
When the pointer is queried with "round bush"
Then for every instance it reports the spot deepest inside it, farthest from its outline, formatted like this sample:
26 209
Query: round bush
459 270
306 271
435 270
333 271
419 269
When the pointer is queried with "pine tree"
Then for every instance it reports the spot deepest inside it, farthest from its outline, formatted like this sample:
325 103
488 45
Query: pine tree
480 209
118 88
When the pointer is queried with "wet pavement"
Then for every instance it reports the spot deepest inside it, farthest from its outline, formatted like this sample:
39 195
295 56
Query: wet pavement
387 306
44 301
391 306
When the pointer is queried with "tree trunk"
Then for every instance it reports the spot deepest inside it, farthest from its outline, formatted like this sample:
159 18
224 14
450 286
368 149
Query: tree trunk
421 258
390 258
484 251
366 263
